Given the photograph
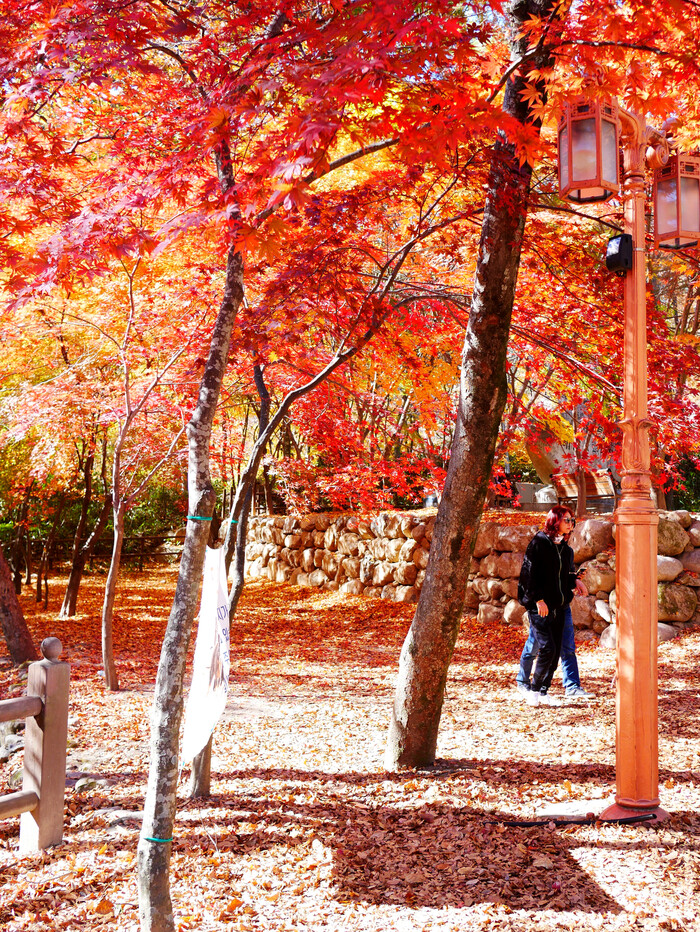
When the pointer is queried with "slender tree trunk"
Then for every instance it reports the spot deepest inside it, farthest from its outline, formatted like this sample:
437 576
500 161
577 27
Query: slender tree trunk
267 488
581 500
76 571
27 560
17 558
154 847
43 567
14 627
429 645
235 544
70 599
110 667
20 553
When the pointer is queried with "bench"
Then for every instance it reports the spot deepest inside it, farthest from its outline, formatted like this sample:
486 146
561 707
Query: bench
601 494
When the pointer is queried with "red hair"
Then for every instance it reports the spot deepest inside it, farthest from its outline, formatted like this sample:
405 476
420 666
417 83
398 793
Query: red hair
554 516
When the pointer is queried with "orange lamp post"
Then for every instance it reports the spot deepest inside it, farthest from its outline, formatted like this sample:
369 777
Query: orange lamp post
591 134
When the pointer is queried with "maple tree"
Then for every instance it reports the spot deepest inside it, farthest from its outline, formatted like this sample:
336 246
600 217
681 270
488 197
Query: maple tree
537 43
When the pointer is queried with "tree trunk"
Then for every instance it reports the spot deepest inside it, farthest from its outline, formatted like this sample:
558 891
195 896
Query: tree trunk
27 560
200 780
110 668
14 627
18 560
46 550
267 487
70 599
235 544
77 562
20 548
430 642
581 499
155 907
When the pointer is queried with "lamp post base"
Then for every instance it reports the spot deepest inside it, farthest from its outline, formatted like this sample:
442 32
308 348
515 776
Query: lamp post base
616 812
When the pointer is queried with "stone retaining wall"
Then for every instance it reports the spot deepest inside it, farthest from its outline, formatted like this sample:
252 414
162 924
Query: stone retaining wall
385 556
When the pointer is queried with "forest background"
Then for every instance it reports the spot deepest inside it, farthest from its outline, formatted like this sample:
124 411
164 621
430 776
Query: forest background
359 183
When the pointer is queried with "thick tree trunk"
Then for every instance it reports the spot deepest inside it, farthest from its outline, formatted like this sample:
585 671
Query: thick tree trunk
154 847
110 667
429 645
14 627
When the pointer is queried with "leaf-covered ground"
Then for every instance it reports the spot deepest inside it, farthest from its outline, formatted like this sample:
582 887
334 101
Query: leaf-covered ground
306 831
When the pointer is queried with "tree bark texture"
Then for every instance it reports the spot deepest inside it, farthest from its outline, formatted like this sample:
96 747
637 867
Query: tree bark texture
110 667
14 627
70 598
235 543
43 568
155 842
200 779
429 645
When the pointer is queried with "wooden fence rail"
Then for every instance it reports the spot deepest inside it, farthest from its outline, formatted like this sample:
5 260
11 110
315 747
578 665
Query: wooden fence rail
40 802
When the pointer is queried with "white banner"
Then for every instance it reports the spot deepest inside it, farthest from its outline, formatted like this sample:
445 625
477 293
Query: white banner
209 689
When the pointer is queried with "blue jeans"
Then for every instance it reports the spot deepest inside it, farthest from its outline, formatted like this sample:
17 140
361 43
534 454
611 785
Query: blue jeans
569 664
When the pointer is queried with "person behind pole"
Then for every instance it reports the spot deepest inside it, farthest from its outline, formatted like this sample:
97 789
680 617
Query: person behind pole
546 589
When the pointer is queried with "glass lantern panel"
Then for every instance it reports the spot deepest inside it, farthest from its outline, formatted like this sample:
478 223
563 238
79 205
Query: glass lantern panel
564 158
610 153
666 207
690 205
583 150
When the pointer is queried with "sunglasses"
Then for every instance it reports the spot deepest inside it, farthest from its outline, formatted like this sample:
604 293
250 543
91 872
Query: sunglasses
568 521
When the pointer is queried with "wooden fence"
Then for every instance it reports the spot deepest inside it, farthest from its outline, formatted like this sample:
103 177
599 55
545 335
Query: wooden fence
40 801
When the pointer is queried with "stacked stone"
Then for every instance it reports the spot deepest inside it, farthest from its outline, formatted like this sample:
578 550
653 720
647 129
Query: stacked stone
678 565
492 592
384 556
499 554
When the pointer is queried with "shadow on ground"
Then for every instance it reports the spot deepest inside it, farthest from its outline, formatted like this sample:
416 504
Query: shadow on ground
434 855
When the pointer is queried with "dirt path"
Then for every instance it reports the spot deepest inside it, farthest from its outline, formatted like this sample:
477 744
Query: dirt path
307 832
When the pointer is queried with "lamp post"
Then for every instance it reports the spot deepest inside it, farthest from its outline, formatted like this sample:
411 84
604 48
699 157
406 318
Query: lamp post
591 133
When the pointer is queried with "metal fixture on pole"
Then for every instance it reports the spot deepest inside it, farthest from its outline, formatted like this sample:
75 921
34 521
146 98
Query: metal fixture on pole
591 133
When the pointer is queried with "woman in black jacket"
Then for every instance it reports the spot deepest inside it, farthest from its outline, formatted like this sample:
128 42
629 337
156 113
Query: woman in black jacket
546 588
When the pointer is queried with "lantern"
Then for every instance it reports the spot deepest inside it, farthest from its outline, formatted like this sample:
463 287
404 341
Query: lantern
677 202
589 161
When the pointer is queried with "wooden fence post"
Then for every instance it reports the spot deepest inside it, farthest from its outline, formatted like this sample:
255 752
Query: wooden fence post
45 750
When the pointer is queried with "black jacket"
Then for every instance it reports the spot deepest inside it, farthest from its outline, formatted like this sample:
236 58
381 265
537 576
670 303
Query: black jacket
548 573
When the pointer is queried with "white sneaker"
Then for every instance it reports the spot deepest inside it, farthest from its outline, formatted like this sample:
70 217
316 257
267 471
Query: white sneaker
578 693
533 698
523 690
546 699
